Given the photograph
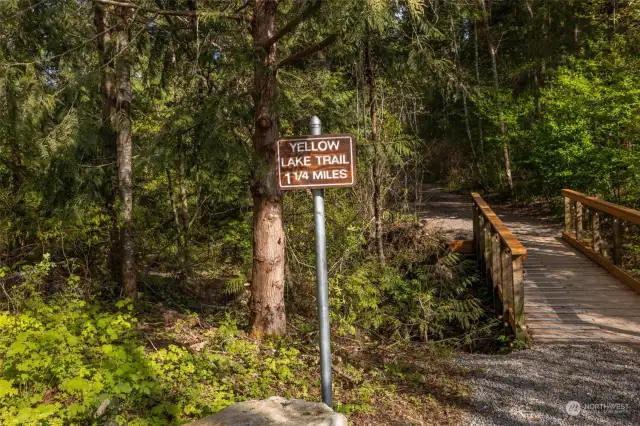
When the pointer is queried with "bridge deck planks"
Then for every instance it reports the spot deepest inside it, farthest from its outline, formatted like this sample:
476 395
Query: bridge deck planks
568 297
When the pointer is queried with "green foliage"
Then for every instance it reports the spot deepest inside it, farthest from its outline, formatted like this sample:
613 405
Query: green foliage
415 299
66 361
586 139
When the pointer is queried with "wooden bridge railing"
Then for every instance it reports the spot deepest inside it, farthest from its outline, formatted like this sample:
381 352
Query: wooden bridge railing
501 256
574 232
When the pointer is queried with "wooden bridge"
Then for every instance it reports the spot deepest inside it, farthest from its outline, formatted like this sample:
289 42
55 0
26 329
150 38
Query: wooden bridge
561 288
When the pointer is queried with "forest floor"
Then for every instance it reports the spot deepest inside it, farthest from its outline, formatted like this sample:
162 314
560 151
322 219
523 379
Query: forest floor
534 386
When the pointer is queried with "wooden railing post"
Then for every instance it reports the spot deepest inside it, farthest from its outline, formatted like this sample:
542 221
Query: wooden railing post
486 233
595 228
578 221
481 247
567 215
495 270
476 229
617 241
507 283
518 296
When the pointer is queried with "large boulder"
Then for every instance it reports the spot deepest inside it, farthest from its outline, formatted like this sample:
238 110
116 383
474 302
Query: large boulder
274 411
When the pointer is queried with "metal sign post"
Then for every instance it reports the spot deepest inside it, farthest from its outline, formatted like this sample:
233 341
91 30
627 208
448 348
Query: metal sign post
322 284
315 162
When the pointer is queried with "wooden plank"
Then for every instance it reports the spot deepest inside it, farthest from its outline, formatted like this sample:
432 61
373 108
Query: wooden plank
476 229
617 241
583 337
558 319
605 313
595 230
563 326
486 232
542 309
594 297
462 246
591 333
567 214
534 291
516 248
496 274
600 304
616 271
506 279
518 291
578 221
560 304
536 311
481 248
616 210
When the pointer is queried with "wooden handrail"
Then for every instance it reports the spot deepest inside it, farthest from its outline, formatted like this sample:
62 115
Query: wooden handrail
621 212
574 202
500 257
516 248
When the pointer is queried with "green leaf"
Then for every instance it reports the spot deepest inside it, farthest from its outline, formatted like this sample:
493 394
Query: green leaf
6 389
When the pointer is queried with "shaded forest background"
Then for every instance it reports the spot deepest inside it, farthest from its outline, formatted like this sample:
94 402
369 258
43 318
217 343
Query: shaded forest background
141 234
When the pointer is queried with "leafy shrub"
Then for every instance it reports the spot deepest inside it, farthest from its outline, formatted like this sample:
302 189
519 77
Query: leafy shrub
66 361
422 291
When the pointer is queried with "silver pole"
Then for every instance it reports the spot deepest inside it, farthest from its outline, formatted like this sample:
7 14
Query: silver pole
322 285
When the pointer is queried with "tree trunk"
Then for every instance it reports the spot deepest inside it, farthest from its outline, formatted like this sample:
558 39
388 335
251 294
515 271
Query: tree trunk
17 172
184 211
267 286
477 64
534 45
125 154
174 210
467 125
16 156
108 135
496 85
376 168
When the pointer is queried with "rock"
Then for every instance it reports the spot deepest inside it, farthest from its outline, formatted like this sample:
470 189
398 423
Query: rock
274 411
197 347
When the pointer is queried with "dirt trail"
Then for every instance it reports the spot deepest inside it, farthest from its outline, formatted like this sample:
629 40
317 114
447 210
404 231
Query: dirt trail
447 211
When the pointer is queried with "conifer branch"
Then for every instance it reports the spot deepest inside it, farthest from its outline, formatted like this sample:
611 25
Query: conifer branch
188 13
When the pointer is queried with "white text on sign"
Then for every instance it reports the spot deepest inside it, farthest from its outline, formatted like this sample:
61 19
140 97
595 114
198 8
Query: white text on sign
324 161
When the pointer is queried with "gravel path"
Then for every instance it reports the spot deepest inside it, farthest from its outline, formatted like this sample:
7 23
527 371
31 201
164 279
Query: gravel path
534 386
447 211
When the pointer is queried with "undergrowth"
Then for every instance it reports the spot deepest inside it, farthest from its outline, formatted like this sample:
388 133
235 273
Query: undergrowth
68 358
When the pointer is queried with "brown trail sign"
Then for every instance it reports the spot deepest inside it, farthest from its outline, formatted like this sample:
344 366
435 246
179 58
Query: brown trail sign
316 161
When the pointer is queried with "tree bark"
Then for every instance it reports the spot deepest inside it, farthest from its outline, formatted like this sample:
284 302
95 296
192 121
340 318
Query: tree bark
534 45
17 177
17 172
376 168
268 278
125 154
174 210
184 211
496 85
477 66
108 136
467 125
